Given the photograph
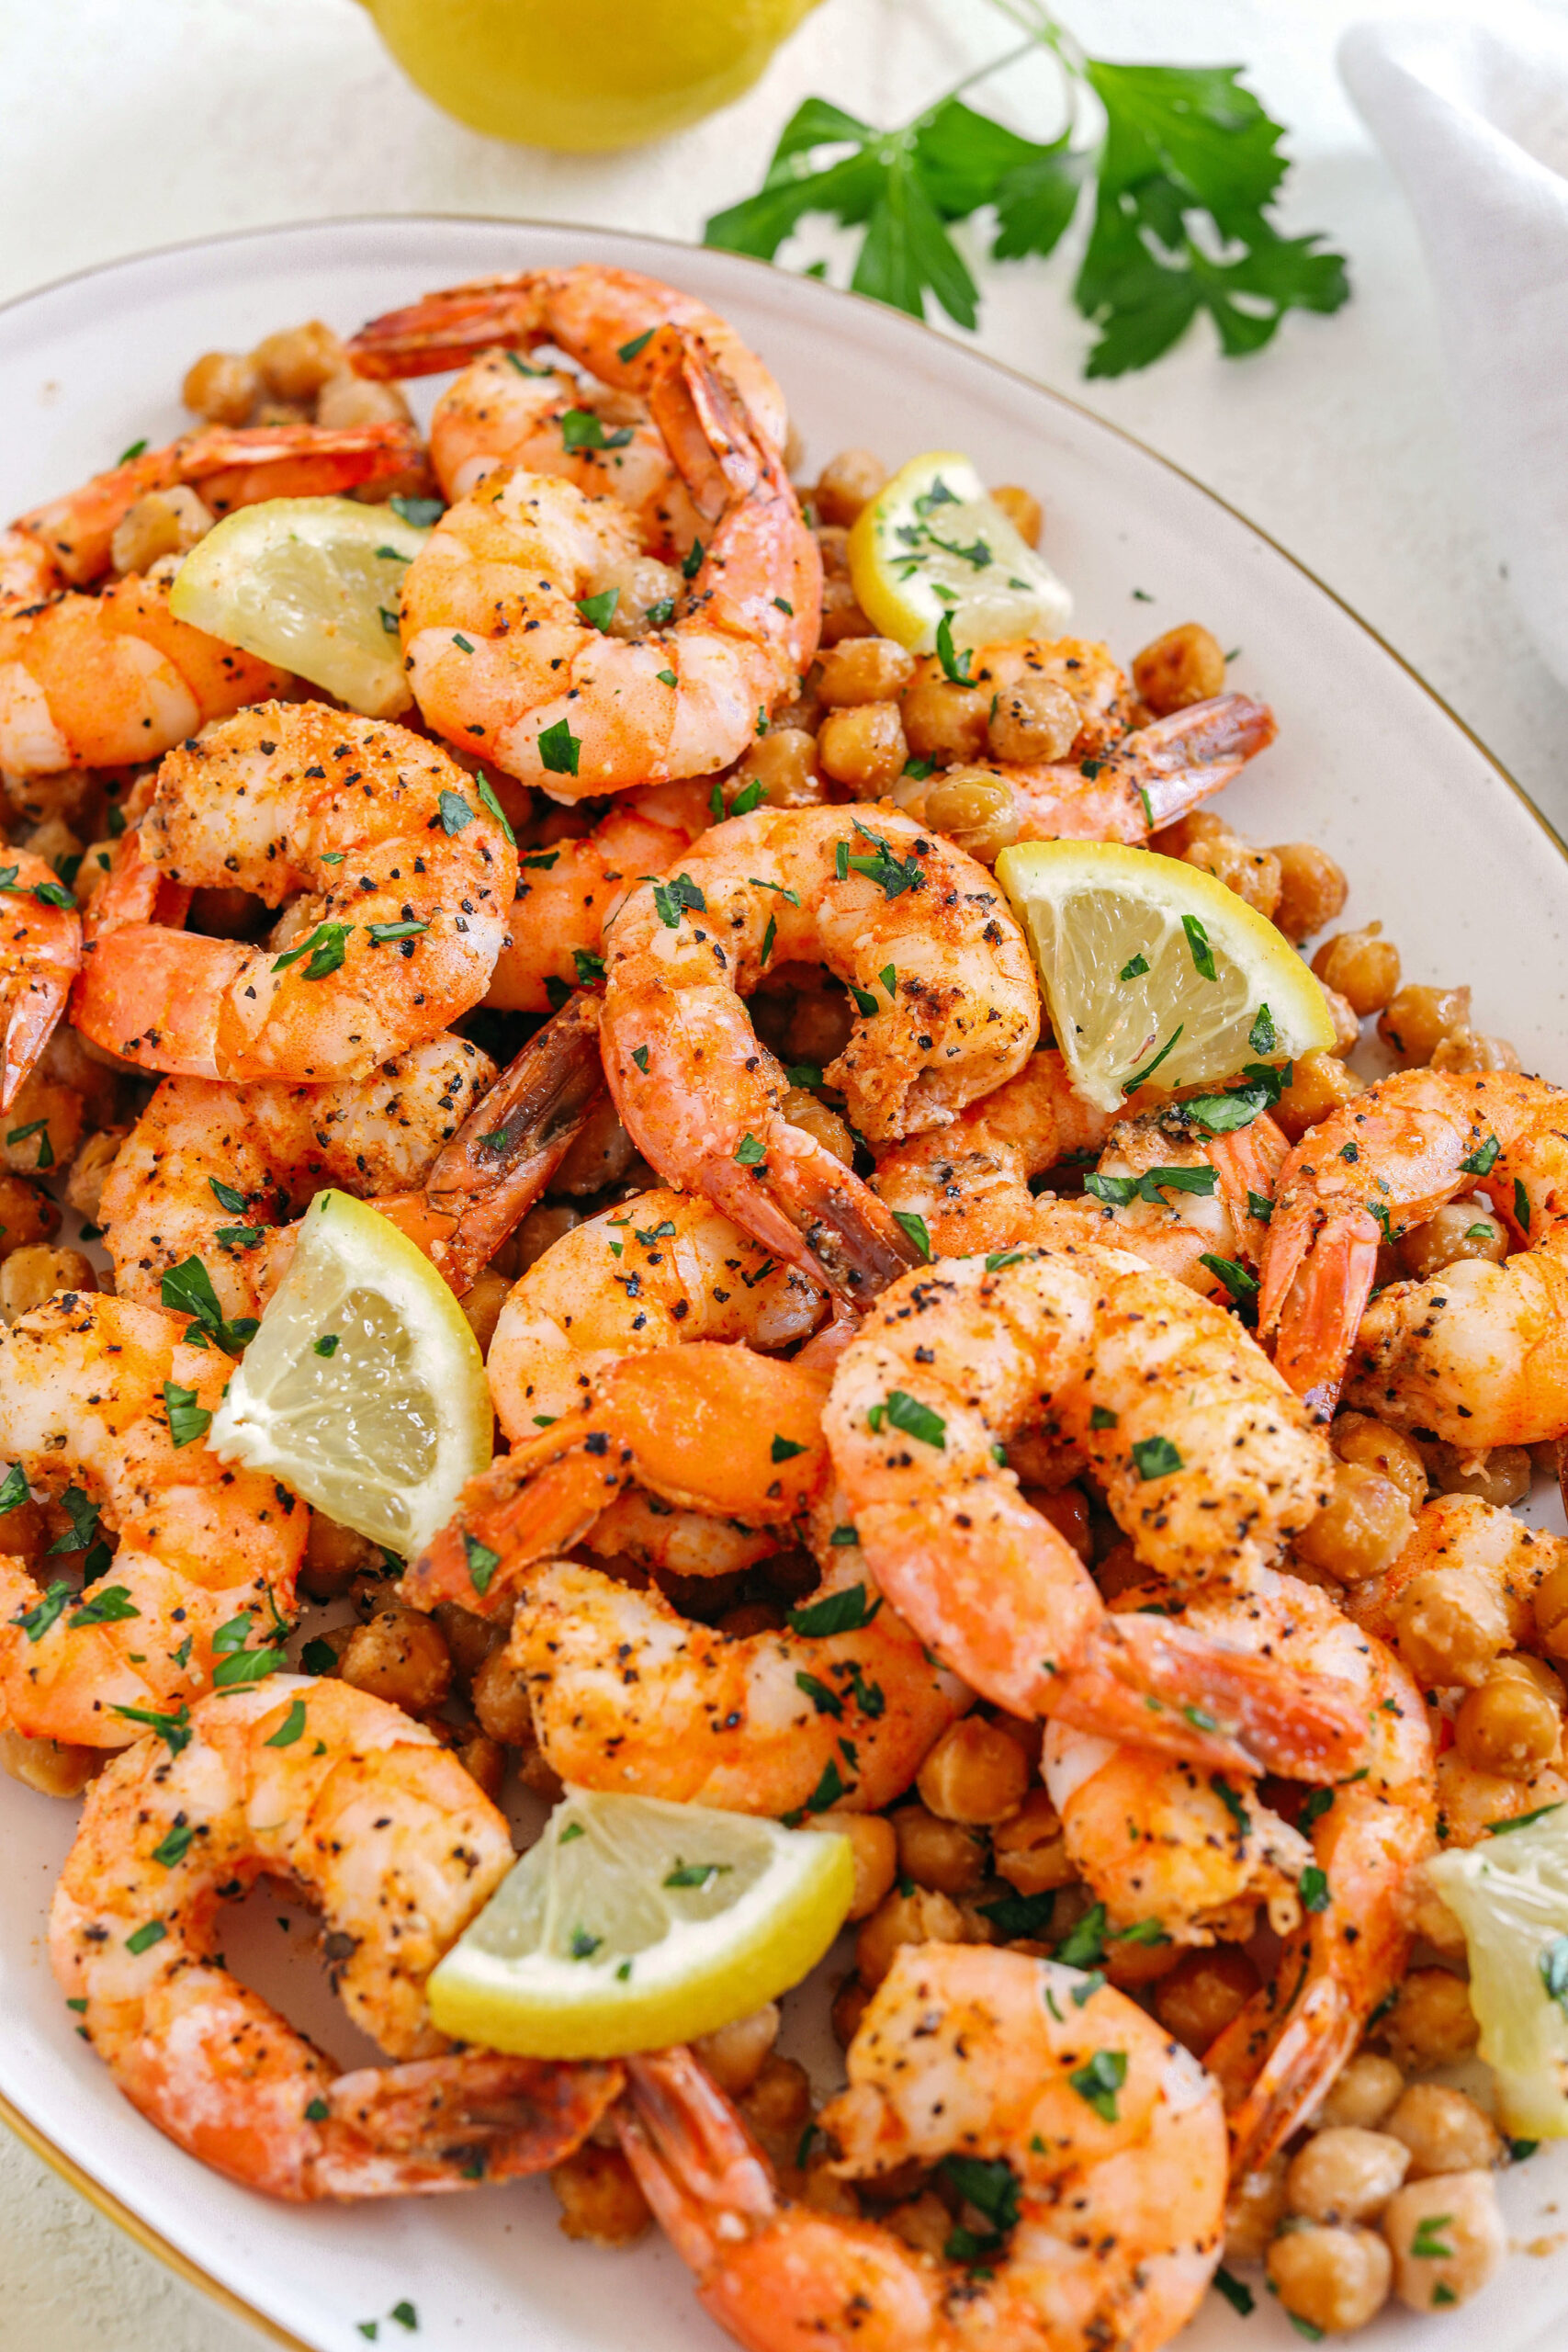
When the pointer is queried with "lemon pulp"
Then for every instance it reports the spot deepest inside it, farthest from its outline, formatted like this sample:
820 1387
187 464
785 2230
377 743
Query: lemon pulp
933 545
1510 1895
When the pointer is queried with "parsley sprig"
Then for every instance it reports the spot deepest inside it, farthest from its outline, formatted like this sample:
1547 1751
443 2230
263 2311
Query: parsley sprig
1185 169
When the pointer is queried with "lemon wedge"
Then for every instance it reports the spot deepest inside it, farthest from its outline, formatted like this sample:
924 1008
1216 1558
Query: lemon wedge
633 1922
933 545
1510 1895
364 1390
1153 970
312 584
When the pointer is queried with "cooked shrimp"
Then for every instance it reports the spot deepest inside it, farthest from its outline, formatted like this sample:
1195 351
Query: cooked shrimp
628 1695
40 953
568 887
969 1183
103 1405
400 880
1475 1355
950 1009
1207 1461
212 1171
372 1819
603 319
96 681
1114 2133
504 658
1459 1594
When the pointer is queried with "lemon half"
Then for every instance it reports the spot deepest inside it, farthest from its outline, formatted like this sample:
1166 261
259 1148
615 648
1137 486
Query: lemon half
632 1924
313 585
364 1390
1510 1895
1154 971
933 544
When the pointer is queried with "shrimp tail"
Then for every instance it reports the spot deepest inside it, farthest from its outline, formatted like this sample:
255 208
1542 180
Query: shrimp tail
1315 1288
31 1002
447 329
1160 1685
1320 2034
504 1154
817 1214
538 1499
469 2113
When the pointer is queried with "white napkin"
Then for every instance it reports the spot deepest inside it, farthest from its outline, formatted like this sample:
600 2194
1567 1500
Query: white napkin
1473 118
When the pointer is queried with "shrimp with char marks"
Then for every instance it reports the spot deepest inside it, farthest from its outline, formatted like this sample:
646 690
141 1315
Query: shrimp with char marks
397 877
505 658
947 1003
96 681
105 1406
1113 2132
319 1784
1208 1464
1152 1843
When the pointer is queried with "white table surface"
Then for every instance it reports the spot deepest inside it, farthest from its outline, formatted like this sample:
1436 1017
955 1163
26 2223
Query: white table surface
130 123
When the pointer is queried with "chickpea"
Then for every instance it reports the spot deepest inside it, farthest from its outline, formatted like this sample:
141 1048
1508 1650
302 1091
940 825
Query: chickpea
1373 1445
1365 2090
1022 510
942 1855
1202 1993
1364 967
1366 1526
1030 1851
222 386
1035 718
1461 1230
735 2054
975 1773
1444 2131
1513 1721
819 1026
1252 874
1417 1019
1027 1733
803 1110
1255 2210
28 1216
601 1153
1184 666
783 762
1333 2279
1347 1027
1551 1607
849 2008
973 808
1068 1511
501 1702
31 1274
1313 890
864 669
874 1845
1431 2023
333 1556
346 401
1501 1476
600 2200
483 1303
1120 1571
862 748
1319 1083
402 1657
484 1761
1431 1921
922 1917
49 1138
164 522
841 615
50 1767
1447 2237
1465 1050
295 363
541 1229
846 483
921 2221
944 722
1450 1623
778 2106
1345 2174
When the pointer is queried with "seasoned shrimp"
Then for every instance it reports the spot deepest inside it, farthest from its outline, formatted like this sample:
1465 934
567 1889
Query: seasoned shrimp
969 1183
1156 1841
104 1405
1114 2133
628 1695
373 1820
1480 1354
504 659
400 880
40 953
96 681
213 1171
1208 1464
604 319
568 887
949 1010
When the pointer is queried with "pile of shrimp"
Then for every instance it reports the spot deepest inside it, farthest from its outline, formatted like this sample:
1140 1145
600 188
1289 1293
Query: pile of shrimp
1103 1523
